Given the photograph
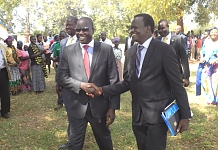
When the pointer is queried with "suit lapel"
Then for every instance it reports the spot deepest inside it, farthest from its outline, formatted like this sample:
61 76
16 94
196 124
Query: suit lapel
96 50
172 38
133 50
148 55
79 60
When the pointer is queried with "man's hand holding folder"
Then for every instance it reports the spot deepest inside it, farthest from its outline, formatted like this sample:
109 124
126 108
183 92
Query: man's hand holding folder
183 125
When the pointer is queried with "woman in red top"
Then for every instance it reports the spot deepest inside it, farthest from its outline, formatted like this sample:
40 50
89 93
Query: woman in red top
24 67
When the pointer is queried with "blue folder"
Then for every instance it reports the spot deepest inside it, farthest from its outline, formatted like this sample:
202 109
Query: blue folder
171 117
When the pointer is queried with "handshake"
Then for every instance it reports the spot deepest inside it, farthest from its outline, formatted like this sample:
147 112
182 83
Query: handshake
91 89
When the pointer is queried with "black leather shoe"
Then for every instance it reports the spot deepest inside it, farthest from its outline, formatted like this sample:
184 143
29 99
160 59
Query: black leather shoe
64 146
6 116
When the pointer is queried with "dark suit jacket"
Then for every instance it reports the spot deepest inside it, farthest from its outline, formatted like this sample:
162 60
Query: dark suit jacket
126 44
71 73
178 44
159 80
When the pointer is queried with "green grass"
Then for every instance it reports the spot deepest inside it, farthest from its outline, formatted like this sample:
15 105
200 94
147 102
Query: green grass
34 125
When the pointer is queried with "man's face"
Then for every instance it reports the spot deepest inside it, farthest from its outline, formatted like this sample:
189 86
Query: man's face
103 36
62 35
139 31
70 27
84 31
39 39
177 29
163 29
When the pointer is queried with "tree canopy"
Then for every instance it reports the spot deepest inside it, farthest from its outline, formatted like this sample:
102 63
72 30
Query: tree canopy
111 16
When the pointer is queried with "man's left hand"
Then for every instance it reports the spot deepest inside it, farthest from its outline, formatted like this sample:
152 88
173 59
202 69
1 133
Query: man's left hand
186 82
110 117
183 125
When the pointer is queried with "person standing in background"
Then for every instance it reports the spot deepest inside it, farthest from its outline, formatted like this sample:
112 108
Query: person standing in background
13 63
178 31
4 83
71 39
104 39
128 43
177 43
46 45
24 67
39 71
118 56
55 59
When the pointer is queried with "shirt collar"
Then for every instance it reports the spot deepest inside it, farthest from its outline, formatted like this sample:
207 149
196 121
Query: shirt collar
90 44
146 43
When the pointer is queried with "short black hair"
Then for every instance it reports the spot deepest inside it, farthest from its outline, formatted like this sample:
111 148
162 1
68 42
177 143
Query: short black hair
31 36
38 35
148 20
89 20
163 20
75 19
62 32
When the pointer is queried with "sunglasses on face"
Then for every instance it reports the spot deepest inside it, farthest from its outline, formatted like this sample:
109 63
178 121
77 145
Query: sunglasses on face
84 29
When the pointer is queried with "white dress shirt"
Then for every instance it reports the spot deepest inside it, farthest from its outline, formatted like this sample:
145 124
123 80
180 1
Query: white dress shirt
168 38
2 60
90 51
143 52
107 41
73 41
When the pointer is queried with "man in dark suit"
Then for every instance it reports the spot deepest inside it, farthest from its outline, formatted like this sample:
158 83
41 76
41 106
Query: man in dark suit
178 31
128 43
178 44
70 29
151 73
88 61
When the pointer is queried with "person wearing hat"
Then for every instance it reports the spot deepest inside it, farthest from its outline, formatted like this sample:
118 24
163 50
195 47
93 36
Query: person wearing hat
13 63
118 56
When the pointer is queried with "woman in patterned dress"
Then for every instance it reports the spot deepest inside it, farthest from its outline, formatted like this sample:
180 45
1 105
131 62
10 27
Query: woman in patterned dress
13 63
118 56
37 65
209 57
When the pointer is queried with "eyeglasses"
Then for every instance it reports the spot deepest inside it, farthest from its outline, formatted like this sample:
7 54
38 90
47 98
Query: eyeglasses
84 29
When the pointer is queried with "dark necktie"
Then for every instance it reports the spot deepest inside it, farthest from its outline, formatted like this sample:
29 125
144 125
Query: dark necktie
138 58
86 60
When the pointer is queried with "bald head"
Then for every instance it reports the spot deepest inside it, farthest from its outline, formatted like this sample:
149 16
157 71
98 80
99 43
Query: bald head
178 29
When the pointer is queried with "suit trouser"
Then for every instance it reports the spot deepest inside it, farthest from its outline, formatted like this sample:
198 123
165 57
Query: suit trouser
4 92
69 133
101 132
150 136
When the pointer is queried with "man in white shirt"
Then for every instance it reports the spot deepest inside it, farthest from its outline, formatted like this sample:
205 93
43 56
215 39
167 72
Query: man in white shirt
4 84
105 40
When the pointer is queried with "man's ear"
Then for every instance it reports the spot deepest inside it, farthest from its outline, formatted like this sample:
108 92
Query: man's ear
93 30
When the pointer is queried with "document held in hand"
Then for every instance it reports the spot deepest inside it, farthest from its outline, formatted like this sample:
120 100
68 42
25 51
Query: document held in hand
171 116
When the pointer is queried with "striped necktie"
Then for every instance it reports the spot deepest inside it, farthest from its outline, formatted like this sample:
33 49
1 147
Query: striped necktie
138 58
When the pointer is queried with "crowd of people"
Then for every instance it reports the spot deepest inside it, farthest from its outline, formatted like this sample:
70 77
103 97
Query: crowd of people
90 78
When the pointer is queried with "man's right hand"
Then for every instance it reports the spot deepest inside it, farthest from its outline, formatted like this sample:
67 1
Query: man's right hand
90 89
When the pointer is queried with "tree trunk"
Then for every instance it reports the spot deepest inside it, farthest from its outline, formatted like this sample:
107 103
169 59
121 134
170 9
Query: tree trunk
180 22
180 17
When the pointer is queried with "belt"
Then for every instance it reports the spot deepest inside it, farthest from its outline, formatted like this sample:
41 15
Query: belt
2 69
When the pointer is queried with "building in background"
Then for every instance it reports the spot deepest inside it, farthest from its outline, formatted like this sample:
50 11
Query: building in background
4 32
